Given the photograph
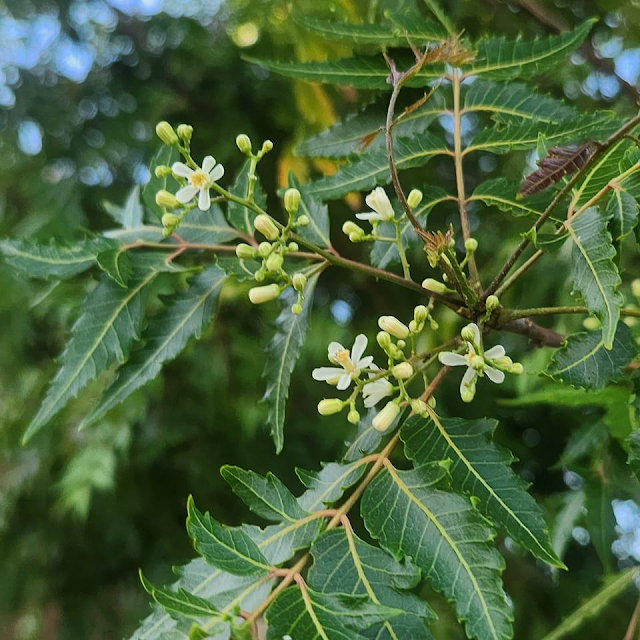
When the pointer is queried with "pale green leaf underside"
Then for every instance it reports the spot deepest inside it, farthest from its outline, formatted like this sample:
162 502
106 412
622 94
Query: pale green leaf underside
116 264
326 486
500 193
447 539
584 361
481 469
593 270
622 210
186 316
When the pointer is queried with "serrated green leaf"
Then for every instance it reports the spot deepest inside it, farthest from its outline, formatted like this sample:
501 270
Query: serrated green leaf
110 322
52 260
510 102
116 263
584 361
516 136
363 131
447 539
318 616
326 486
633 445
435 8
239 216
368 571
365 33
501 59
415 28
582 441
501 193
481 469
164 156
206 227
131 213
226 548
317 231
372 168
566 520
282 354
141 233
593 271
265 496
186 316
360 72
622 210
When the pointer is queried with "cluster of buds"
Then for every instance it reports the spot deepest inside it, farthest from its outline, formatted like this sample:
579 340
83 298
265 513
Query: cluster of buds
243 142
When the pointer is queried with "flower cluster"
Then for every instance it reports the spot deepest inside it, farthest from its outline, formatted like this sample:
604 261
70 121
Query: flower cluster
493 363
353 367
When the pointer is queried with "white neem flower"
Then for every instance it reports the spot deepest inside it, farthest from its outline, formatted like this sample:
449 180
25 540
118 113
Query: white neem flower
379 202
351 363
373 392
475 363
200 181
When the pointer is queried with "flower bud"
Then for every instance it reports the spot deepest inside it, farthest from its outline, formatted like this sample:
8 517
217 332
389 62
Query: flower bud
353 417
414 326
170 221
260 274
243 142
477 363
517 369
415 198
468 392
402 371
267 146
492 302
291 200
264 249
165 132
384 339
434 325
329 406
505 362
245 251
299 281
296 309
266 293
302 221
434 286
420 314
185 131
293 246
385 418
468 334
470 245
274 262
432 402
265 225
166 200
418 406
401 344
352 230
635 288
162 171
392 325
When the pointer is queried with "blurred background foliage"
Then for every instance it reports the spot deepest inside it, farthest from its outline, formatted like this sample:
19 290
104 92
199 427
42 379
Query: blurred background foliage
82 84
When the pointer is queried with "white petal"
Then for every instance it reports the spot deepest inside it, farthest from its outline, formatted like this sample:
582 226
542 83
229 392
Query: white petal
216 173
495 375
344 382
368 216
334 347
326 373
451 359
379 202
181 169
208 163
186 194
476 332
204 200
364 363
468 379
359 345
495 352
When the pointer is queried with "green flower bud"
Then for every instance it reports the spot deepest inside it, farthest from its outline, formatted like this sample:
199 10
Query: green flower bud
415 198
264 249
166 200
385 418
392 325
243 142
401 344
274 262
477 363
353 417
414 327
260 275
434 286
434 325
245 251
505 362
291 200
418 406
293 246
420 314
591 323
492 303
296 309
165 132
185 131
170 221
162 171
635 288
468 334
329 406
302 221
468 393
267 146
402 371
265 225
470 244
299 281
432 402
383 339
517 369
260 295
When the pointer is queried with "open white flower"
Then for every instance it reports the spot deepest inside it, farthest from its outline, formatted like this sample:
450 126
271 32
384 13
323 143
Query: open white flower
200 181
373 392
351 363
475 363
379 202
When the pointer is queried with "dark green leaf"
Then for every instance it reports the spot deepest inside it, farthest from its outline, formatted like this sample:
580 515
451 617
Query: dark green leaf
501 193
633 445
326 486
380 34
116 263
206 227
130 214
416 28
